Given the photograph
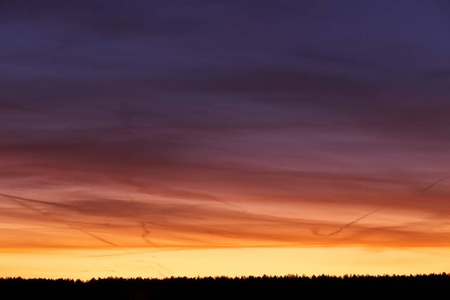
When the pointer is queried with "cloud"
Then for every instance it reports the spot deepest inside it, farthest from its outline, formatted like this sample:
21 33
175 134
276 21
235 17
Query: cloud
266 80
126 224
164 167
111 18
334 59
158 124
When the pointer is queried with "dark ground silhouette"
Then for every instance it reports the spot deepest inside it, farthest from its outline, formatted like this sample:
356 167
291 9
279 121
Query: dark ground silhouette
265 287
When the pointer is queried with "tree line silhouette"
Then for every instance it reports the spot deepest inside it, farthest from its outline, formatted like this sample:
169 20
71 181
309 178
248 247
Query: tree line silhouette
265 287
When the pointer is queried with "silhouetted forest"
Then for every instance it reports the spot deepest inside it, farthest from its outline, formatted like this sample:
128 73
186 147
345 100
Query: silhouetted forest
265 287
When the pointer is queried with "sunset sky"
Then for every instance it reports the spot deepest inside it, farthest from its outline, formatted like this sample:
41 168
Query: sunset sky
185 138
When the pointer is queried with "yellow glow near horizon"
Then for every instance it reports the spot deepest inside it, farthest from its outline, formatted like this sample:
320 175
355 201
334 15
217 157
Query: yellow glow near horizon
87 264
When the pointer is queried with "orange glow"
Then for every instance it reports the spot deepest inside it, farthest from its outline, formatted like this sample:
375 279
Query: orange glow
132 235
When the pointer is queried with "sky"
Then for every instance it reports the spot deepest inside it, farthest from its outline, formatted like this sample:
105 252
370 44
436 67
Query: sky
236 138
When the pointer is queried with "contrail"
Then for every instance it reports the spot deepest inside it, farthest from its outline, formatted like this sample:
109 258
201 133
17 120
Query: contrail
433 184
94 236
146 233
353 222
23 202
27 203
